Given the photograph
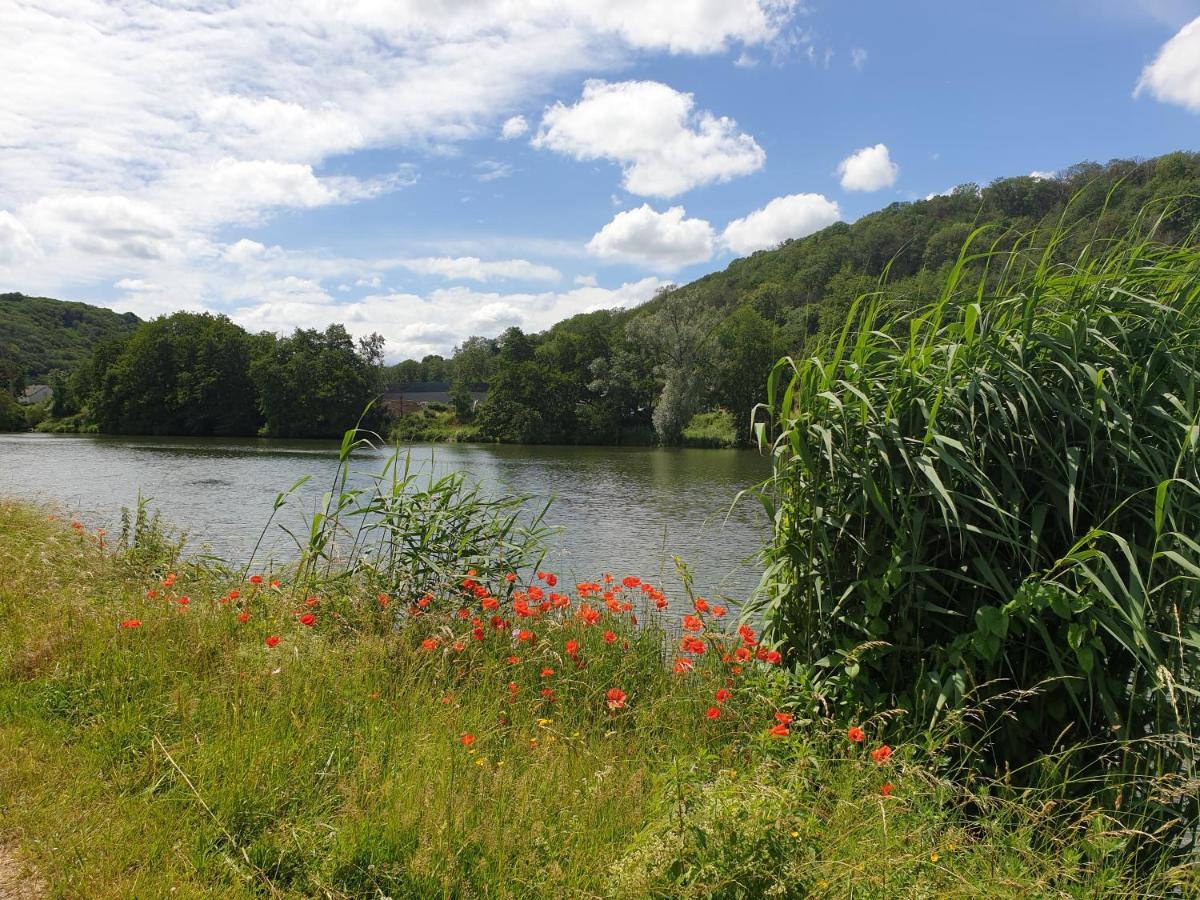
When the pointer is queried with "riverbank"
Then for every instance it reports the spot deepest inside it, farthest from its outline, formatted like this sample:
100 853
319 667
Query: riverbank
179 729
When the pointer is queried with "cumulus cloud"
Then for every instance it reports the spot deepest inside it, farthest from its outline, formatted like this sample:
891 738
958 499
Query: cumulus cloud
858 57
793 216
663 144
16 243
472 268
1174 76
663 241
868 169
513 127
182 119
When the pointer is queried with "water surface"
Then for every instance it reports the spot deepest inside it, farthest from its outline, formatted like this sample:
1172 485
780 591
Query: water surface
621 510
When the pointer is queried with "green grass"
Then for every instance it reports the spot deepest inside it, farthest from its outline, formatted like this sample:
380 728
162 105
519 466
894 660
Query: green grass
711 429
433 425
185 757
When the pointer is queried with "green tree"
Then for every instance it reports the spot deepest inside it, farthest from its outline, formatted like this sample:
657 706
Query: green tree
746 350
312 384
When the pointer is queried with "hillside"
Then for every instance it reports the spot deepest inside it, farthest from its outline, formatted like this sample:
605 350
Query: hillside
41 334
601 376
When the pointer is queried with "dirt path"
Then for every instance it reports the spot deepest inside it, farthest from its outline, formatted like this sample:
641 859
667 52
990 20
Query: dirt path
16 883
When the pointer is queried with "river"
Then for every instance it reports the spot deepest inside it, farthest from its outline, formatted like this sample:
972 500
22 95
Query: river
620 510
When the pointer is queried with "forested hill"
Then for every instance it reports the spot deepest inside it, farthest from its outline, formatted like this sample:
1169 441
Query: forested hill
41 335
689 365
709 344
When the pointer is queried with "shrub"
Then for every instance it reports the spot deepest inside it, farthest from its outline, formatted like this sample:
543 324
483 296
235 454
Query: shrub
1003 488
711 429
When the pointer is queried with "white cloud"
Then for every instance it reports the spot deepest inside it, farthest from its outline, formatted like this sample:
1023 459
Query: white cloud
513 127
858 57
586 280
664 145
136 284
416 325
474 269
663 241
793 216
1043 176
868 169
492 170
16 243
1174 76
372 282
182 119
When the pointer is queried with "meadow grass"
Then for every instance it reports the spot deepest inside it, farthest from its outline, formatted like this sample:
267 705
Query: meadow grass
185 757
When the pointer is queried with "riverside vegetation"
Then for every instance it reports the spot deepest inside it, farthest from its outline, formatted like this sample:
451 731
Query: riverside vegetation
970 669
623 376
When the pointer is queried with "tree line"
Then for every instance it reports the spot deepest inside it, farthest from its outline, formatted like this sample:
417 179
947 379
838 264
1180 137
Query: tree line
699 352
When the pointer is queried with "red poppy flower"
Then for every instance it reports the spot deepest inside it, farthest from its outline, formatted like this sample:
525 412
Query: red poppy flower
384 600
691 623
184 601
660 602
774 657
856 734
467 740
490 604
477 633
881 754
513 660
691 644
132 623
151 594
272 641
572 648
274 583
630 582
683 665
512 689
701 605
459 646
609 637
590 616
547 672
887 789
551 579
719 611
256 579
741 654
784 718
524 635
311 602
510 577
547 694
713 713
244 616
429 644
723 695
308 619
424 602
615 698
779 730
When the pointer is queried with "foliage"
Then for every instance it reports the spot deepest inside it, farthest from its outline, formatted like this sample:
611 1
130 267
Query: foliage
42 335
710 344
12 415
1004 489
711 429
312 384
187 755
187 373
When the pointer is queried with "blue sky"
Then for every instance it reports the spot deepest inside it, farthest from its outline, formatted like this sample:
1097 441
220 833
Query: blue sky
439 169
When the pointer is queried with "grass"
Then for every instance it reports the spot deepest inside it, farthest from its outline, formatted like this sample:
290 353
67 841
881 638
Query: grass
711 429
184 756
433 424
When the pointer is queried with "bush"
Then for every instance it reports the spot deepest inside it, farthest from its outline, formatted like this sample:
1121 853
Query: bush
711 429
12 416
1003 489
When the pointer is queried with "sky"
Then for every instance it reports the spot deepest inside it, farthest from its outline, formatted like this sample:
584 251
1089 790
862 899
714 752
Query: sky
436 169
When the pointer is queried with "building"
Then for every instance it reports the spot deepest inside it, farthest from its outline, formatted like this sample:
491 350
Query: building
413 396
36 393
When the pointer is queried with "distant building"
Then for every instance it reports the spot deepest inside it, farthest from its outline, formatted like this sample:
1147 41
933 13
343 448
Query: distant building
411 397
36 393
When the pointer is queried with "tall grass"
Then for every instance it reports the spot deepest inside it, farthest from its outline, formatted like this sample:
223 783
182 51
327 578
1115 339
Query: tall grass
1003 490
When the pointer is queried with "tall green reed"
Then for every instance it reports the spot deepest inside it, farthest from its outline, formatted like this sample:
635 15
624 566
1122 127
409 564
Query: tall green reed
1003 489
